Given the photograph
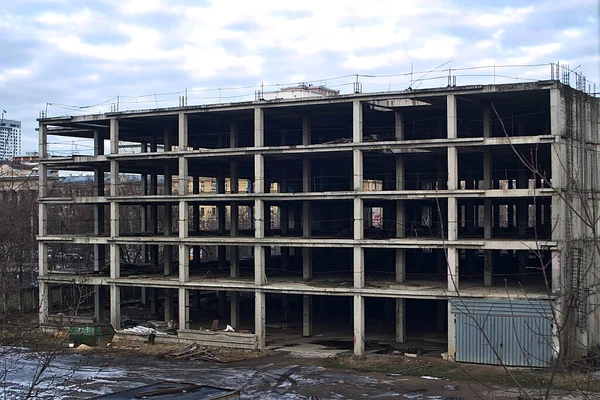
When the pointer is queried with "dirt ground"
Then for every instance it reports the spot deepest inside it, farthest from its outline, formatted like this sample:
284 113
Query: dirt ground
420 377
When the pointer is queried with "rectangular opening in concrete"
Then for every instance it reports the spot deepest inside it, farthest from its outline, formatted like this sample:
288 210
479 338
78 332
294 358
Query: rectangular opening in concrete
426 264
425 218
76 258
426 171
307 323
506 268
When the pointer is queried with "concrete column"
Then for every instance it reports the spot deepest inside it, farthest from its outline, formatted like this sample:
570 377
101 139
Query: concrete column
259 127
168 309
559 180
487 121
184 221
114 136
43 141
167 142
153 300
400 321
154 206
558 260
115 306
359 325
359 267
221 250
357 121
44 302
184 263
453 183
182 135
522 205
451 333
259 319
183 181
522 264
487 267
234 213
234 299
167 259
306 131
259 265
452 261
470 216
307 271
400 265
452 116
307 319
184 308
358 219
115 261
221 300
487 203
99 302
452 219
357 167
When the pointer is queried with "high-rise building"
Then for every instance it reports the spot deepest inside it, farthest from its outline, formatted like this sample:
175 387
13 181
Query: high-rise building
10 139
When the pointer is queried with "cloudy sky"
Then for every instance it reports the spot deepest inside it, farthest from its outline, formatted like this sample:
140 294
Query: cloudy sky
86 53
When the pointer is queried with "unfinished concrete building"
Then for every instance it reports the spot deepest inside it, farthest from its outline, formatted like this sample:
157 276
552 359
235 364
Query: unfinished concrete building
449 216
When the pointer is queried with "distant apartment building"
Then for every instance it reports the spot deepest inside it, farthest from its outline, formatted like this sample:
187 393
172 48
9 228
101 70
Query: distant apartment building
10 139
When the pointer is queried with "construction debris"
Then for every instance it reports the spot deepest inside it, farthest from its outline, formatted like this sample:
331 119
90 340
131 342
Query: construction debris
142 330
195 352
